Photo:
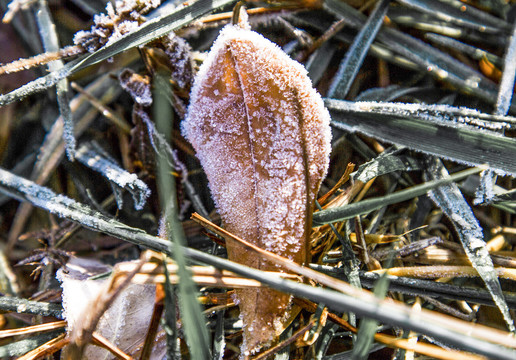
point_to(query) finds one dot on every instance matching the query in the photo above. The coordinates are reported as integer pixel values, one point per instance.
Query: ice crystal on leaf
(180, 59)
(262, 135)
(138, 86)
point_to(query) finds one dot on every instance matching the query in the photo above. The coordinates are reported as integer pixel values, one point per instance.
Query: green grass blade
(194, 323)
(369, 205)
(368, 327)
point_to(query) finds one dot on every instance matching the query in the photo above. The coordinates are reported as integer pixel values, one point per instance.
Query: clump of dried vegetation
(112, 245)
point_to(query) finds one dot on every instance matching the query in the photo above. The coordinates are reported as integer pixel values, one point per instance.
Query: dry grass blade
(32, 329)
(101, 341)
(426, 349)
(435, 272)
(38, 60)
(344, 178)
(152, 273)
(480, 332)
(47, 349)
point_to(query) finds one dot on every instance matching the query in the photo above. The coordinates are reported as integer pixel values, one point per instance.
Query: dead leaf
(262, 135)
(125, 322)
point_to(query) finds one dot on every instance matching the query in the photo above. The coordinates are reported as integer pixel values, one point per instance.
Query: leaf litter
(444, 101)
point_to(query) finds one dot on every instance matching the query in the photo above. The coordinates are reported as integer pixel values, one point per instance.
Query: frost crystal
(439, 114)
(262, 135)
(180, 59)
(138, 86)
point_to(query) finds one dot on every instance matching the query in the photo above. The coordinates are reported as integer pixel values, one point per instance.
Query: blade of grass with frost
(376, 49)
(431, 134)
(21, 347)
(106, 89)
(196, 332)
(484, 193)
(503, 199)
(505, 92)
(440, 65)
(51, 44)
(347, 299)
(385, 164)
(366, 206)
(457, 12)
(147, 32)
(467, 49)
(452, 203)
(410, 18)
(388, 93)
(118, 177)
(355, 55)
(10, 303)
(437, 113)
(317, 64)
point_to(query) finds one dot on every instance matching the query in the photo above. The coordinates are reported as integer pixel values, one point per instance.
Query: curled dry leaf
(262, 135)
(125, 322)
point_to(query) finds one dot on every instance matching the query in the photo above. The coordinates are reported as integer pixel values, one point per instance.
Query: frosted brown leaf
(262, 135)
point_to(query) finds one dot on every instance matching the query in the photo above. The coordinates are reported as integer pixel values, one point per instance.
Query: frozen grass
(425, 94)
